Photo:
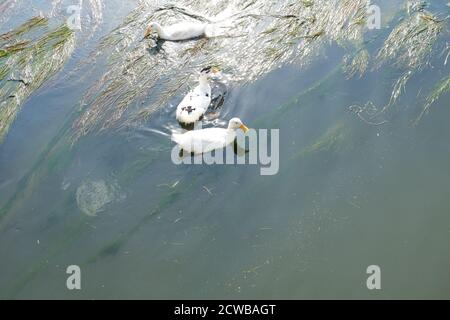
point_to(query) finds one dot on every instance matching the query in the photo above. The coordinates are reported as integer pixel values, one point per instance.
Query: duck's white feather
(183, 31)
(205, 140)
(194, 104)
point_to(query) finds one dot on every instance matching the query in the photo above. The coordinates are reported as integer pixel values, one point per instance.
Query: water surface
(86, 176)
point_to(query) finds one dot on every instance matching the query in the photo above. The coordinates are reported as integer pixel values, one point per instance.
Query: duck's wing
(192, 107)
(206, 140)
(185, 31)
(195, 100)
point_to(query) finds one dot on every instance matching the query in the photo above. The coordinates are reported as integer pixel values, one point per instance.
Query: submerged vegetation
(255, 42)
(411, 45)
(252, 39)
(134, 78)
(440, 89)
(333, 139)
(29, 56)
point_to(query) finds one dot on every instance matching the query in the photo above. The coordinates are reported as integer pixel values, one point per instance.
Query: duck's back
(185, 31)
(193, 106)
(201, 141)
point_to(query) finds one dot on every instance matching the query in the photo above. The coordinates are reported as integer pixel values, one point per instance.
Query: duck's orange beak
(148, 32)
(244, 128)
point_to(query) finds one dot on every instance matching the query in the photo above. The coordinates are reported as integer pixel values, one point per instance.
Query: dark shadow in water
(220, 91)
(157, 46)
(239, 151)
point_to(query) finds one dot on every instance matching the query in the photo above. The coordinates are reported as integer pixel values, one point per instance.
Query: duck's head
(209, 71)
(152, 27)
(236, 123)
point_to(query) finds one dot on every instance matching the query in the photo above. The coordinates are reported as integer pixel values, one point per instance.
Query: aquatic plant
(29, 56)
(259, 38)
(356, 65)
(409, 47)
(440, 89)
(138, 80)
(332, 139)
(91, 13)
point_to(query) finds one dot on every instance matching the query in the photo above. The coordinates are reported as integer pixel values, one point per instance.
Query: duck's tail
(177, 138)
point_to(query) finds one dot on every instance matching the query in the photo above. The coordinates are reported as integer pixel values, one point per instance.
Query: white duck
(178, 32)
(194, 105)
(206, 140)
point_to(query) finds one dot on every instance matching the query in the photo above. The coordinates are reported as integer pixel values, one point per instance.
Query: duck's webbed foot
(238, 150)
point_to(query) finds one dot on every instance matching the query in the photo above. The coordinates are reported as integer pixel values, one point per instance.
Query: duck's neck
(160, 30)
(230, 128)
(203, 80)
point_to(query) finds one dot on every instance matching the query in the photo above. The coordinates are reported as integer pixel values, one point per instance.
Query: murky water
(86, 176)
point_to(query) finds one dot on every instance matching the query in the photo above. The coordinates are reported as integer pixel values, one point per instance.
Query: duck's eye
(206, 70)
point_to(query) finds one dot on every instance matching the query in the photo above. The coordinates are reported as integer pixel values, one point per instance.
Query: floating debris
(93, 196)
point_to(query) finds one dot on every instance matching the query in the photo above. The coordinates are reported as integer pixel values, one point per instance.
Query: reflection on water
(86, 176)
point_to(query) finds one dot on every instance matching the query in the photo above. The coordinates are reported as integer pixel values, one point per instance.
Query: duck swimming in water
(206, 140)
(179, 31)
(194, 105)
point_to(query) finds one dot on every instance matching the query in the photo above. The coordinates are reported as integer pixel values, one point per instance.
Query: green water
(86, 176)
